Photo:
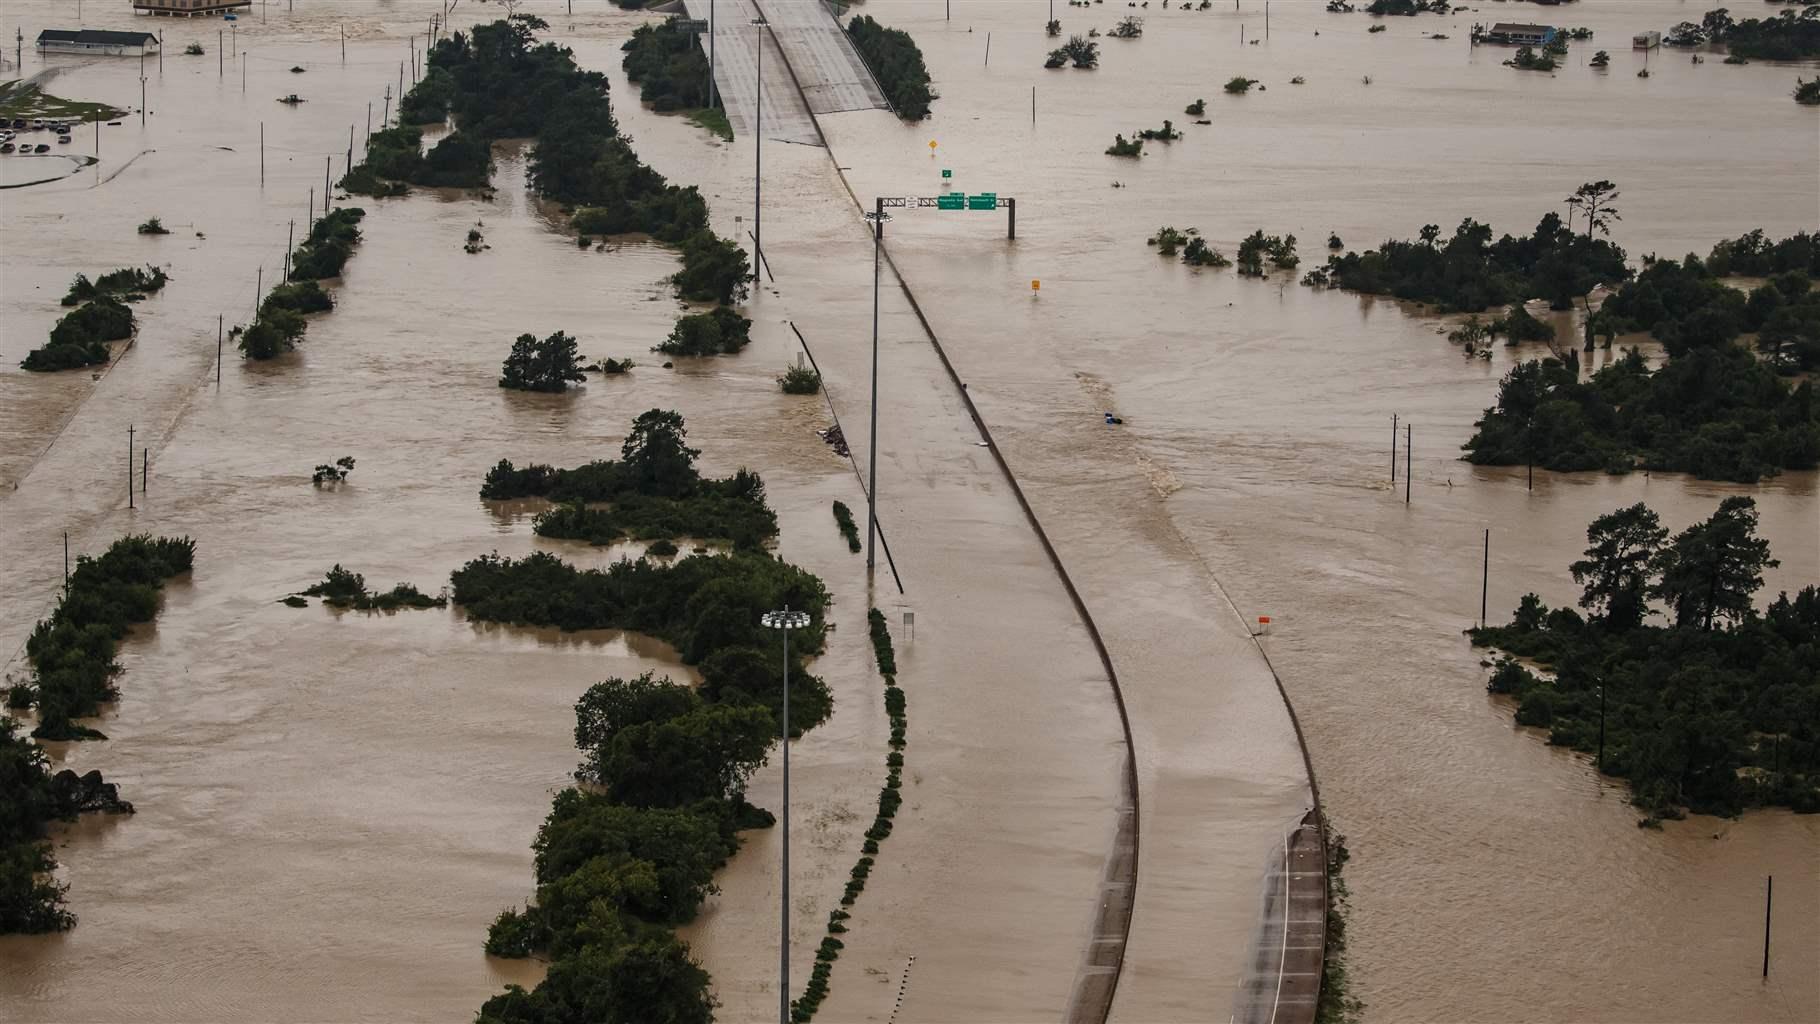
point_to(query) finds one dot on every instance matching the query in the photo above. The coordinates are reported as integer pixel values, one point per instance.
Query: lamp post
(878, 218)
(785, 621)
(758, 147)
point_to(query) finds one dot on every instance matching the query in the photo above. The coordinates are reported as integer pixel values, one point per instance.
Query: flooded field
(333, 807)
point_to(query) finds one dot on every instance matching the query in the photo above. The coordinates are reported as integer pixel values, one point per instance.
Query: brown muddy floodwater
(332, 808)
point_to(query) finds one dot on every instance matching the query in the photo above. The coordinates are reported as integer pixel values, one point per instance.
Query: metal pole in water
(1393, 447)
(220, 322)
(66, 561)
(1408, 460)
(258, 290)
(220, 57)
(145, 467)
(783, 962)
(129, 466)
(326, 161)
(262, 154)
(713, 93)
(1769, 890)
(988, 49)
(289, 234)
(1485, 578)
(369, 135)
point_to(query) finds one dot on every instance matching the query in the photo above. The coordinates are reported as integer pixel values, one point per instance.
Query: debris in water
(836, 440)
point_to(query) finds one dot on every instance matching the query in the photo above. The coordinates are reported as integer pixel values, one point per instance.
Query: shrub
(79, 338)
(129, 283)
(800, 380)
(714, 269)
(843, 517)
(333, 474)
(153, 226)
(720, 331)
(1122, 147)
(1196, 109)
(1240, 85)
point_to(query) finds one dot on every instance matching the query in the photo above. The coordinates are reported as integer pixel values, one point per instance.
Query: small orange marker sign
(1035, 285)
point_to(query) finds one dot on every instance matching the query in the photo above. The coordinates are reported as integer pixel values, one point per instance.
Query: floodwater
(331, 808)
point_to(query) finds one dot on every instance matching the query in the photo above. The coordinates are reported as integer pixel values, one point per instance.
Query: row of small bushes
(73, 666)
(890, 799)
(127, 283)
(343, 588)
(633, 854)
(654, 489)
(395, 158)
(280, 323)
(72, 651)
(897, 63)
(670, 69)
(843, 517)
(80, 337)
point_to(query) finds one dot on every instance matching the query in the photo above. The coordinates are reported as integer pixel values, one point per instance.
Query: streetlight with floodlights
(785, 621)
(878, 217)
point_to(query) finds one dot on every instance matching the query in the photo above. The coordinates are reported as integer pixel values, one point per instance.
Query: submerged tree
(1616, 570)
(548, 365)
(1712, 569)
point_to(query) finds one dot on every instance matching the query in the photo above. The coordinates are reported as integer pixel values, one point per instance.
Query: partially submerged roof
(99, 37)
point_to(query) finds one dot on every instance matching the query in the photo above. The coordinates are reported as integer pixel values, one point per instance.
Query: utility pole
(1408, 460)
(262, 154)
(326, 170)
(1485, 578)
(351, 141)
(129, 466)
(368, 147)
(713, 90)
(344, 43)
(289, 234)
(1769, 890)
(142, 90)
(220, 56)
(66, 562)
(220, 322)
(385, 118)
(145, 467)
(1393, 447)
(258, 291)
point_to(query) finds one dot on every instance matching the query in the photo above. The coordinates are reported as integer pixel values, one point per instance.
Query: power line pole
(220, 322)
(129, 466)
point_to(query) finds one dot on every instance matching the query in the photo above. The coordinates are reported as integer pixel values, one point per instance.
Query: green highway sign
(951, 201)
(946, 173)
(983, 201)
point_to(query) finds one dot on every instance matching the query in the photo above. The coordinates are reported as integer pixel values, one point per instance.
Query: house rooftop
(97, 36)
(1514, 28)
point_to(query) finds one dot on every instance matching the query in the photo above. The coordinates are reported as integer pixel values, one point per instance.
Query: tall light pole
(785, 621)
(878, 219)
(758, 148)
(712, 96)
